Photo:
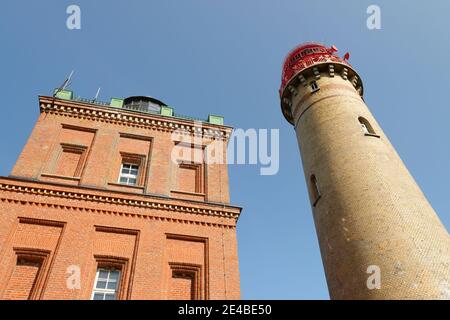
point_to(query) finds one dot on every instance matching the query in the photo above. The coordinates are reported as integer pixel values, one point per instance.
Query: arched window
(314, 190)
(366, 127)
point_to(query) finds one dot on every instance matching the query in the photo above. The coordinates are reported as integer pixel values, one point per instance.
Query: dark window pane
(109, 296)
(123, 180)
(101, 284)
(114, 275)
(98, 296)
(112, 285)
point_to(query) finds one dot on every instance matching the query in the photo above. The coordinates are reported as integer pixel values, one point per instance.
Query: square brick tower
(99, 206)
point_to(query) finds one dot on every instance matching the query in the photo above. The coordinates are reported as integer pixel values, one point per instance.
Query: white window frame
(128, 176)
(106, 290)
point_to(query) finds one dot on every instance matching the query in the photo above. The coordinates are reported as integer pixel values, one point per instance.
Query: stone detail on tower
(367, 208)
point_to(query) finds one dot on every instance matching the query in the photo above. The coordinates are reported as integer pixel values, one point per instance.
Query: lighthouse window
(314, 86)
(364, 128)
(314, 190)
(367, 127)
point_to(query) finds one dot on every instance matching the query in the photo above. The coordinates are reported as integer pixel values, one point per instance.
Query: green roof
(165, 111)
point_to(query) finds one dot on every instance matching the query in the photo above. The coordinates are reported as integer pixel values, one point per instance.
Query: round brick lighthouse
(379, 236)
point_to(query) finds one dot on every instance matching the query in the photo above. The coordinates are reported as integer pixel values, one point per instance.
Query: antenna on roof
(96, 95)
(65, 84)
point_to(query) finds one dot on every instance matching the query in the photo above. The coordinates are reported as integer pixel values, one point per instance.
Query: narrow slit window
(314, 190)
(314, 86)
(106, 284)
(366, 127)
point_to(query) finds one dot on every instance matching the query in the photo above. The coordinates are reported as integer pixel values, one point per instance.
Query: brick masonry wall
(39, 156)
(88, 221)
(141, 239)
(181, 289)
(371, 211)
(21, 282)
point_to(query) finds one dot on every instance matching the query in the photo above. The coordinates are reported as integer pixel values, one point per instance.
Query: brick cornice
(136, 119)
(119, 213)
(110, 197)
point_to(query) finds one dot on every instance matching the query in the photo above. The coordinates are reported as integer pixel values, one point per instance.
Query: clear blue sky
(224, 57)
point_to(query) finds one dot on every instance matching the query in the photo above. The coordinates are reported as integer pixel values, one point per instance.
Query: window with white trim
(129, 174)
(106, 284)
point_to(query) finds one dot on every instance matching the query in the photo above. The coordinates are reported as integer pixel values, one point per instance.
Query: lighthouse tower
(379, 236)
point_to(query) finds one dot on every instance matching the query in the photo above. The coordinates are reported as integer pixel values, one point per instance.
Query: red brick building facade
(96, 207)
